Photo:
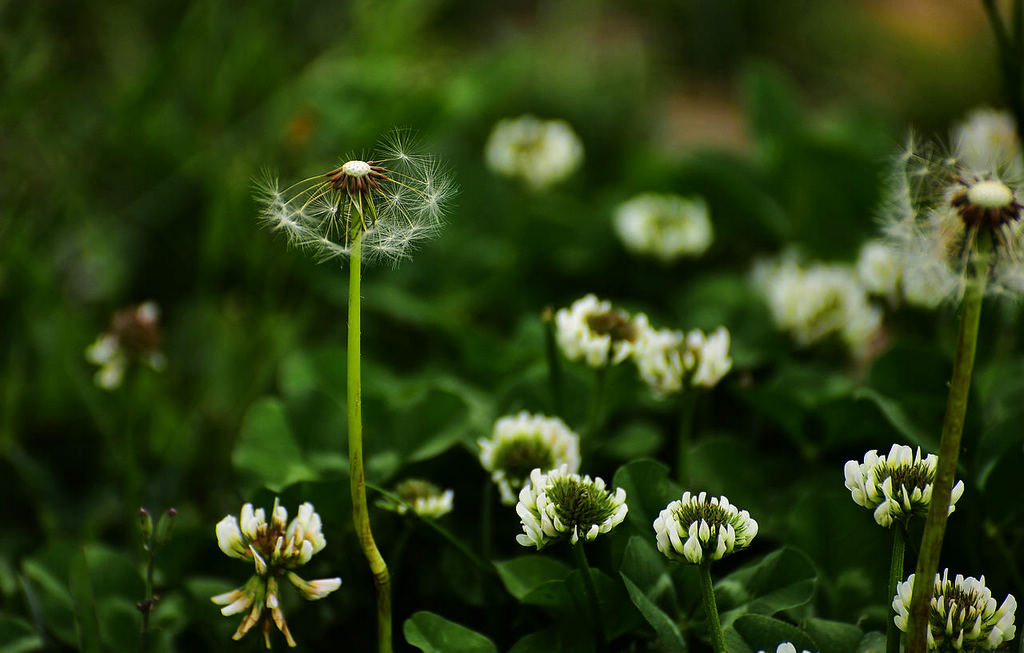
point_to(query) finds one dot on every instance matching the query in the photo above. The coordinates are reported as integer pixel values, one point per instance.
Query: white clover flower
(697, 528)
(540, 152)
(963, 615)
(133, 336)
(666, 227)
(592, 330)
(879, 270)
(669, 360)
(786, 647)
(422, 497)
(711, 354)
(560, 504)
(987, 139)
(952, 218)
(392, 199)
(817, 302)
(896, 486)
(275, 548)
(520, 443)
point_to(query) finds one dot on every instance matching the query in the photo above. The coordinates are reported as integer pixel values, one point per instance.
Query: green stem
(554, 362)
(596, 402)
(357, 477)
(591, 590)
(486, 518)
(949, 452)
(687, 408)
(147, 603)
(899, 547)
(707, 591)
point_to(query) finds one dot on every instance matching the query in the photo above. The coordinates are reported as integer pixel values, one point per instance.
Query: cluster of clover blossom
(668, 360)
(664, 226)
(274, 549)
(421, 497)
(897, 487)
(539, 152)
(133, 337)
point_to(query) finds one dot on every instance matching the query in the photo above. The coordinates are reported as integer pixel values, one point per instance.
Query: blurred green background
(132, 131)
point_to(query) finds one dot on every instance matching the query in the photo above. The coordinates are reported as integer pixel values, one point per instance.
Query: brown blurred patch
(943, 25)
(703, 116)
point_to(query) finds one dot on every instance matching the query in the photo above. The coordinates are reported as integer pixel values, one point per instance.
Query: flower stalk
(707, 592)
(592, 600)
(357, 475)
(949, 452)
(899, 547)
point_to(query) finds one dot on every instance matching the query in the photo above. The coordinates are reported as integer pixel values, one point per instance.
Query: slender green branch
(707, 591)
(949, 452)
(899, 547)
(597, 395)
(592, 600)
(554, 362)
(486, 518)
(360, 513)
(687, 408)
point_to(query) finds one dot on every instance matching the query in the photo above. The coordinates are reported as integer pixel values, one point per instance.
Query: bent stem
(597, 396)
(554, 364)
(949, 452)
(899, 547)
(591, 590)
(357, 477)
(707, 592)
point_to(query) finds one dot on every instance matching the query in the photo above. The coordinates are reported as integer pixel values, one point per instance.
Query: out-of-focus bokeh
(131, 136)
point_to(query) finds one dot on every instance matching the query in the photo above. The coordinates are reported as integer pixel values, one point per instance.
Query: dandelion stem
(687, 408)
(596, 402)
(899, 547)
(554, 364)
(591, 590)
(360, 513)
(949, 452)
(707, 590)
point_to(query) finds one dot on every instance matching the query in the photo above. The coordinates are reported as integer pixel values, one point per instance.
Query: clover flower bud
(560, 504)
(962, 615)
(896, 486)
(540, 152)
(667, 227)
(275, 548)
(711, 354)
(519, 443)
(133, 336)
(592, 330)
(785, 647)
(421, 497)
(700, 529)
(390, 200)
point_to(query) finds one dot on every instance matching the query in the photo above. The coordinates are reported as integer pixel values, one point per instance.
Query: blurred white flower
(670, 360)
(953, 218)
(786, 647)
(963, 614)
(986, 140)
(697, 528)
(666, 227)
(393, 198)
(879, 270)
(815, 302)
(275, 548)
(560, 504)
(896, 486)
(422, 497)
(540, 152)
(592, 330)
(133, 336)
(522, 442)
